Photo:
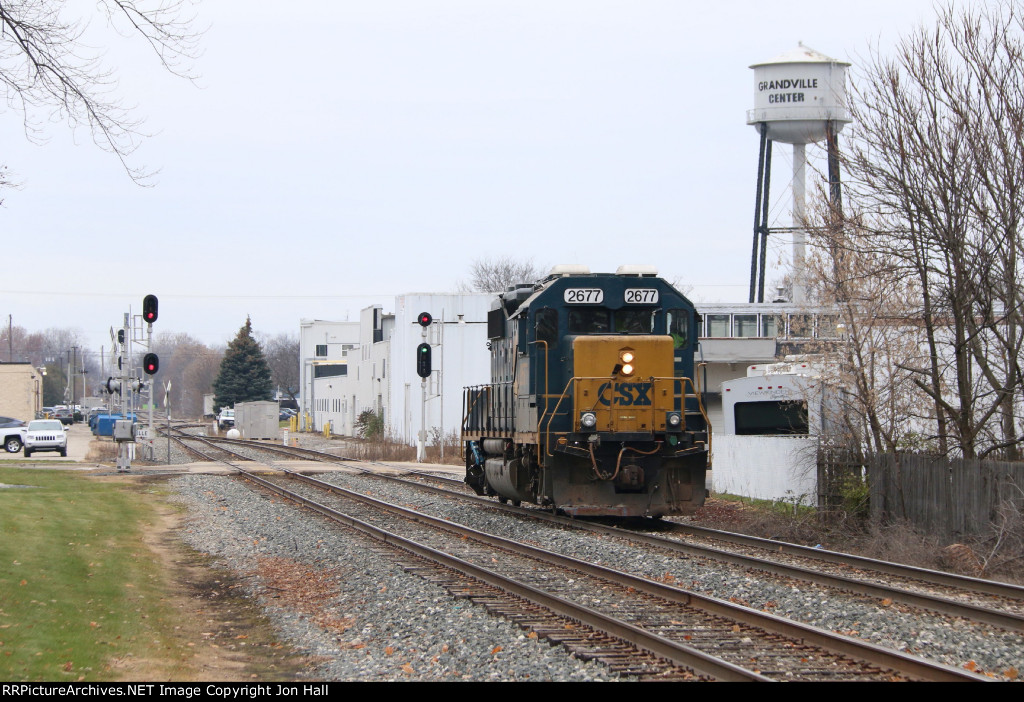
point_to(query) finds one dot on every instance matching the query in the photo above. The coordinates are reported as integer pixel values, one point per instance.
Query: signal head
(150, 363)
(425, 319)
(423, 365)
(149, 308)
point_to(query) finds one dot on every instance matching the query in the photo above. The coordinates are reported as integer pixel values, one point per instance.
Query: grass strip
(80, 593)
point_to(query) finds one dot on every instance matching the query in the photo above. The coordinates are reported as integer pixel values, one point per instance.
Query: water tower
(799, 99)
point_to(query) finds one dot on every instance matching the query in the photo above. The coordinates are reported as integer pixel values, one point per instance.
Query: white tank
(797, 93)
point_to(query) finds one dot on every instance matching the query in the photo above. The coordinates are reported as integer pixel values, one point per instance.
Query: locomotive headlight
(673, 421)
(625, 365)
(588, 420)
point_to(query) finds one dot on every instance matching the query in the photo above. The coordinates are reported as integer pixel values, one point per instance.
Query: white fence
(766, 467)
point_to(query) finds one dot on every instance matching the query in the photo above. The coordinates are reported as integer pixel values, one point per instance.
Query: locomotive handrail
(546, 399)
(492, 396)
(470, 401)
(547, 433)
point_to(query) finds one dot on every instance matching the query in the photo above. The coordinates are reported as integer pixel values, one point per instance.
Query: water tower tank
(797, 93)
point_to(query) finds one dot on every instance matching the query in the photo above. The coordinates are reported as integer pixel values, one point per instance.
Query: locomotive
(593, 408)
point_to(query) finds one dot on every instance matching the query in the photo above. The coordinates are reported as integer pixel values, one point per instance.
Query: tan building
(21, 390)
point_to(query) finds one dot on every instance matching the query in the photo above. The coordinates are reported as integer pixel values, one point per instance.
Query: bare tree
(879, 408)
(497, 274)
(282, 354)
(190, 366)
(49, 69)
(934, 174)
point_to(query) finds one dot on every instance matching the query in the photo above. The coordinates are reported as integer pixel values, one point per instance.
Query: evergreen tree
(244, 374)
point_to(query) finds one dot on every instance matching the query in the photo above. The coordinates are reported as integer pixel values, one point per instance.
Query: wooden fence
(947, 497)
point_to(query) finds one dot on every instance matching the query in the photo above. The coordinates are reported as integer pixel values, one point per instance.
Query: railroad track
(622, 611)
(656, 542)
(990, 602)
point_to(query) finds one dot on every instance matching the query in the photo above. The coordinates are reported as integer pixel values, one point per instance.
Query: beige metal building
(21, 390)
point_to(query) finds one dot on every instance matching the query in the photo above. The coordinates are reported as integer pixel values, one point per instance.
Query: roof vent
(564, 269)
(638, 269)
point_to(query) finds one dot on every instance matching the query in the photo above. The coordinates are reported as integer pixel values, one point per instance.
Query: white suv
(226, 420)
(46, 435)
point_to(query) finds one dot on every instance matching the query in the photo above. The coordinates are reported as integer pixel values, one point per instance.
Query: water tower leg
(757, 211)
(799, 219)
(764, 219)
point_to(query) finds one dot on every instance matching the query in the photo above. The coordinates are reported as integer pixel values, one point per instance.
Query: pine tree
(244, 374)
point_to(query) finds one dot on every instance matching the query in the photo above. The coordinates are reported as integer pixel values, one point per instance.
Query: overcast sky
(337, 153)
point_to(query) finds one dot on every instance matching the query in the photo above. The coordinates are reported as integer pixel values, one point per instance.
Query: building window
(744, 325)
(771, 417)
(771, 326)
(828, 326)
(718, 325)
(801, 326)
(329, 370)
(321, 350)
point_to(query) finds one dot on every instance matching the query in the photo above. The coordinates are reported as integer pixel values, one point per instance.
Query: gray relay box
(124, 430)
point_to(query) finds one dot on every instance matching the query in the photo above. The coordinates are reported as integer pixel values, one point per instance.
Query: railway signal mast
(126, 431)
(423, 370)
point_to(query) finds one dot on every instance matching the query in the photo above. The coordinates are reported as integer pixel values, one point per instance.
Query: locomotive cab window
(678, 323)
(547, 326)
(634, 321)
(589, 320)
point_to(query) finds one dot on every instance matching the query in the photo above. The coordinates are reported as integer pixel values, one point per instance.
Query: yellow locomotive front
(624, 384)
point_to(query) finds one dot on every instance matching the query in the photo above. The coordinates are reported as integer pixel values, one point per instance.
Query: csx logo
(625, 394)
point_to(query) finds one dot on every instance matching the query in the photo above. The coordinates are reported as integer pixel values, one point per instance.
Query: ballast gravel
(947, 640)
(397, 625)
(408, 629)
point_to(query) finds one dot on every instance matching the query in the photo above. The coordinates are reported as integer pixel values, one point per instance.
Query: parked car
(13, 432)
(226, 418)
(46, 435)
(66, 415)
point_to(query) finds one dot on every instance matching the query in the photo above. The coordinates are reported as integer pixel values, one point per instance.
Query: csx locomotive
(592, 408)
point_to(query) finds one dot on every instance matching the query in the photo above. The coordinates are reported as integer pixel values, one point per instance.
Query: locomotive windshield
(589, 320)
(635, 321)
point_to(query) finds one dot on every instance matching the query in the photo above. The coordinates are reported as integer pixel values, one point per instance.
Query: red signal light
(425, 319)
(149, 308)
(150, 363)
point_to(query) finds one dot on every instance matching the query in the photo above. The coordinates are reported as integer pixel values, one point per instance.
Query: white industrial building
(350, 367)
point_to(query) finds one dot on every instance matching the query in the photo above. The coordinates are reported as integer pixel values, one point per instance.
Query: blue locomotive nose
(591, 407)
